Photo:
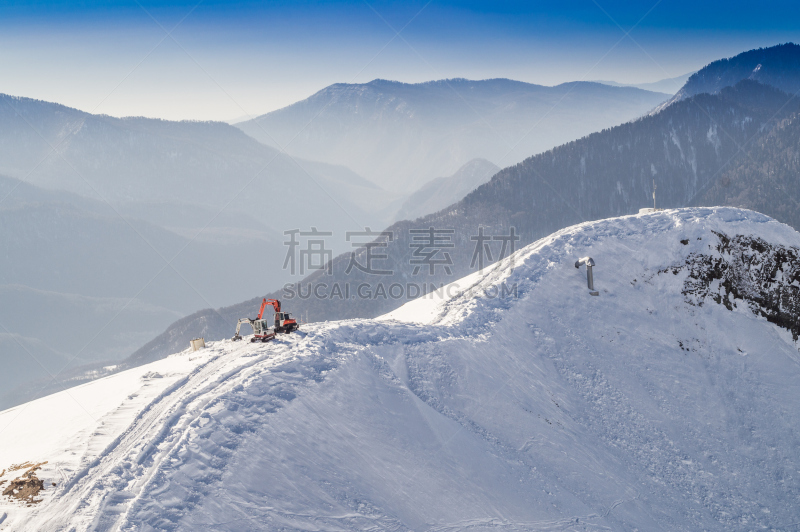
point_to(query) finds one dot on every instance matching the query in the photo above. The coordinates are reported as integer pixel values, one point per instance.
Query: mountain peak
(777, 66)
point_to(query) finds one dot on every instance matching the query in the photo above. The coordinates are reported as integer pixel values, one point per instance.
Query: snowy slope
(669, 402)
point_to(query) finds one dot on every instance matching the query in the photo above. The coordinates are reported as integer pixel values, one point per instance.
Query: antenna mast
(654, 194)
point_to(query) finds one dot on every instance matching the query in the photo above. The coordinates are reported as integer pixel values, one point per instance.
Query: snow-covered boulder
(510, 399)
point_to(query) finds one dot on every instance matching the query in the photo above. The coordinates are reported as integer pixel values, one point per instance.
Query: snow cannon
(589, 262)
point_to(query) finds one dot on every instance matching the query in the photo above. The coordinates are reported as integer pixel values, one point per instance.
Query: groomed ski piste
(664, 403)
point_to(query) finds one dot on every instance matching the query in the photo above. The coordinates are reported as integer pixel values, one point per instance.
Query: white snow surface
(551, 410)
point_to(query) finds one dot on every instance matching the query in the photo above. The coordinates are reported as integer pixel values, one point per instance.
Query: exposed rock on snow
(27, 486)
(766, 277)
(541, 409)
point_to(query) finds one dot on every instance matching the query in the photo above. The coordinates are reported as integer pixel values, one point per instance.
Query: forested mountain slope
(777, 66)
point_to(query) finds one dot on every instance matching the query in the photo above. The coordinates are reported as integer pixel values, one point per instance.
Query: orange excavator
(283, 320)
(261, 327)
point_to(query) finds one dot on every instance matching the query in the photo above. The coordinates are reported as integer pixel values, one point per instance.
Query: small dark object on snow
(26, 487)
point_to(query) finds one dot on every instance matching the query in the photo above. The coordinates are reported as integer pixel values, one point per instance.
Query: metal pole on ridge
(589, 262)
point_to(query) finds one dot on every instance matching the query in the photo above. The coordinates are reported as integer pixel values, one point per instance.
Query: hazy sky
(222, 60)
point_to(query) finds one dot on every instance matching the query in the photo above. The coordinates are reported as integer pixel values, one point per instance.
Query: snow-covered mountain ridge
(668, 402)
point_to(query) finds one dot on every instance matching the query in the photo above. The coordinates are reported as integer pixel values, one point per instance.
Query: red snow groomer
(261, 327)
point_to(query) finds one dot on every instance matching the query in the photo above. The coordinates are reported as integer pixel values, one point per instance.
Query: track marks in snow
(566, 524)
(103, 490)
(209, 439)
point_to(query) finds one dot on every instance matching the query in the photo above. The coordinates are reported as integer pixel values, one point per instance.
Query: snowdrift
(511, 399)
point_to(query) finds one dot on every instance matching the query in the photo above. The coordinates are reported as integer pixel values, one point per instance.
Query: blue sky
(222, 60)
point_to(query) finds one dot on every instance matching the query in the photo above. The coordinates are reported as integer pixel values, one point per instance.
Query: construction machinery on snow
(262, 330)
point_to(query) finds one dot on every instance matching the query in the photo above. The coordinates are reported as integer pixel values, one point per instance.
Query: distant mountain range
(134, 161)
(706, 149)
(400, 135)
(668, 85)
